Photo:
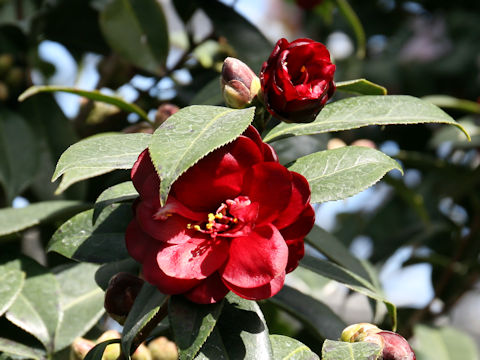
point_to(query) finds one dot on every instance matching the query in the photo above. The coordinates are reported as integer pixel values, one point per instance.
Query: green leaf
(213, 348)
(361, 87)
(96, 353)
(89, 94)
(190, 134)
(18, 154)
(138, 31)
(210, 94)
(243, 329)
(335, 251)
(445, 343)
(336, 350)
(349, 279)
(99, 155)
(450, 102)
(103, 242)
(17, 219)
(313, 313)
(250, 45)
(356, 112)
(145, 308)
(191, 324)
(37, 309)
(79, 295)
(11, 283)
(339, 173)
(286, 348)
(14, 348)
(115, 194)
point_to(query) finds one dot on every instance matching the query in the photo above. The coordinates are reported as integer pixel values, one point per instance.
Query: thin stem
(357, 26)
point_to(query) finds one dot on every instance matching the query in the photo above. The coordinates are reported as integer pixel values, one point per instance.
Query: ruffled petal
(270, 185)
(142, 171)
(256, 259)
(166, 284)
(261, 292)
(298, 201)
(296, 251)
(209, 291)
(302, 225)
(138, 243)
(196, 259)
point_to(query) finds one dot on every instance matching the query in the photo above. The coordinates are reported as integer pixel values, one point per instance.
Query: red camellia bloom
(297, 80)
(234, 221)
(308, 4)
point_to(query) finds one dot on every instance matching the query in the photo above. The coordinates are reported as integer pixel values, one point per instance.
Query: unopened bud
(335, 143)
(352, 332)
(239, 83)
(164, 111)
(142, 353)
(396, 347)
(80, 348)
(112, 351)
(163, 349)
(365, 143)
(120, 295)
(6, 62)
(15, 77)
(3, 91)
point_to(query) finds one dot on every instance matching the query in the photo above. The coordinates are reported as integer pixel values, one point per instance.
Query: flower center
(232, 218)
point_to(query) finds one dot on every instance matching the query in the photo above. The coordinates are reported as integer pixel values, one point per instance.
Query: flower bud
(365, 143)
(142, 353)
(396, 347)
(80, 348)
(164, 111)
(4, 93)
(6, 62)
(112, 351)
(239, 83)
(120, 295)
(163, 349)
(352, 332)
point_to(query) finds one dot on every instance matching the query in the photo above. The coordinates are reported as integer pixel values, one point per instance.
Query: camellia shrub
(193, 242)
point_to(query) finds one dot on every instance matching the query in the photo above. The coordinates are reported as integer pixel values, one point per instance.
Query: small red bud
(164, 111)
(396, 347)
(122, 290)
(239, 83)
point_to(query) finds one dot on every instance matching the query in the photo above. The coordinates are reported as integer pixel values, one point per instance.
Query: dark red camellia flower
(308, 4)
(297, 80)
(234, 221)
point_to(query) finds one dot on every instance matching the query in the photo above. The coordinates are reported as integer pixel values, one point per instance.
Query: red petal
(166, 284)
(195, 259)
(270, 185)
(209, 291)
(261, 292)
(138, 243)
(142, 171)
(299, 199)
(173, 230)
(296, 251)
(302, 225)
(255, 260)
(217, 177)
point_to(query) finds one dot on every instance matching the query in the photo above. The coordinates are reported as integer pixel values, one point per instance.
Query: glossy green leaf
(286, 348)
(89, 94)
(336, 350)
(189, 135)
(17, 219)
(243, 329)
(138, 31)
(11, 283)
(450, 102)
(98, 155)
(146, 306)
(19, 350)
(213, 348)
(81, 303)
(18, 154)
(37, 309)
(97, 351)
(444, 343)
(360, 87)
(356, 112)
(103, 242)
(335, 251)
(349, 279)
(313, 313)
(191, 324)
(115, 194)
(250, 45)
(339, 173)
